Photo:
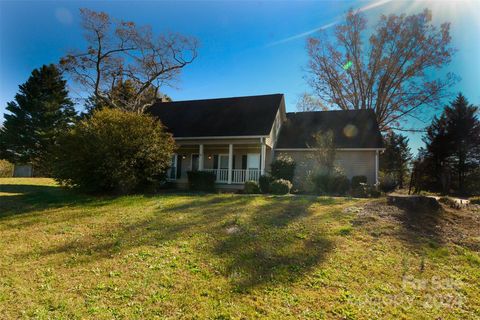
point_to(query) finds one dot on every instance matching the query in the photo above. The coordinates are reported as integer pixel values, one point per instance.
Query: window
(223, 161)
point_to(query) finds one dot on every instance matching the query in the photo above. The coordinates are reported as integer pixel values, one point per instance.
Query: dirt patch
(448, 225)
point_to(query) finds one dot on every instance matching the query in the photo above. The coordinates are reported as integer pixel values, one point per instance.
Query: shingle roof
(351, 129)
(238, 116)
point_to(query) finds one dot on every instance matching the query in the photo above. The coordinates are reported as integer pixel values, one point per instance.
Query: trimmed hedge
(201, 181)
(283, 168)
(280, 186)
(264, 183)
(251, 187)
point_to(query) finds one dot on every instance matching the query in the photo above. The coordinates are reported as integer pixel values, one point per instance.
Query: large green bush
(113, 151)
(331, 184)
(280, 186)
(251, 187)
(283, 168)
(201, 181)
(264, 183)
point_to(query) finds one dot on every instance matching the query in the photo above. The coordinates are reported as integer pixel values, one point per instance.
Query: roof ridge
(324, 111)
(224, 98)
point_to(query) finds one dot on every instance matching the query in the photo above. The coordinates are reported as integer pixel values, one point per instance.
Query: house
(237, 138)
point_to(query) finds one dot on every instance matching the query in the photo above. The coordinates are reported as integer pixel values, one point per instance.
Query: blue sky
(246, 48)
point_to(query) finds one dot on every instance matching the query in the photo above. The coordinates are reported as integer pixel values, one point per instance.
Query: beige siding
(352, 163)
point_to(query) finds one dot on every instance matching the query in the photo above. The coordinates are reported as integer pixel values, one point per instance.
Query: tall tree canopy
(396, 157)
(453, 145)
(40, 112)
(118, 51)
(389, 73)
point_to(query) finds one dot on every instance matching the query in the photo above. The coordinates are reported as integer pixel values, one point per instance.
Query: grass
(222, 256)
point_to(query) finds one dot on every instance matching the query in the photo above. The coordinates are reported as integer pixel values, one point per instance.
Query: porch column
(230, 162)
(263, 154)
(376, 166)
(200, 158)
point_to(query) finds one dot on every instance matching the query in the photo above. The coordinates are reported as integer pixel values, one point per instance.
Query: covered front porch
(232, 163)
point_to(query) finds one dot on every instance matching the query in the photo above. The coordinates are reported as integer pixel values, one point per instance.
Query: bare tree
(307, 102)
(391, 73)
(120, 50)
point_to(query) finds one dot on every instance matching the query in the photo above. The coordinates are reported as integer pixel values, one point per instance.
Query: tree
(113, 151)
(41, 111)
(395, 159)
(307, 102)
(453, 145)
(463, 133)
(324, 151)
(118, 51)
(389, 73)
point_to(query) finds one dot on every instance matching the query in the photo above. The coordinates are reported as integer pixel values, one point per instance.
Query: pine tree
(40, 112)
(396, 157)
(463, 130)
(453, 145)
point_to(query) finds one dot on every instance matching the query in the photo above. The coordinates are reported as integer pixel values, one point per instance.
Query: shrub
(264, 183)
(113, 151)
(283, 168)
(365, 191)
(201, 180)
(251, 187)
(358, 180)
(387, 183)
(6, 168)
(280, 186)
(336, 184)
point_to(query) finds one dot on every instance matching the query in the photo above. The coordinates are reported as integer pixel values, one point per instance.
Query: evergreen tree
(396, 157)
(453, 146)
(463, 132)
(40, 112)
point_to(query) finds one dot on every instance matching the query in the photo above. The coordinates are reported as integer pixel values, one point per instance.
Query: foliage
(324, 152)
(280, 186)
(6, 168)
(396, 157)
(251, 187)
(264, 183)
(41, 111)
(390, 73)
(149, 257)
(364, 190)
(452, 151)
(358, 180)
(113, 151)
(119, 54)
(307, 102)
(387, 183)
(330, 184)
(201, 181)
(283, 168)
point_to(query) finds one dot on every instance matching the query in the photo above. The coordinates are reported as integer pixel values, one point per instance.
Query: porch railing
(238, 175)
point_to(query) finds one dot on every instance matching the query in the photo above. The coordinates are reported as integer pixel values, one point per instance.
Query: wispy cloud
(367, 7)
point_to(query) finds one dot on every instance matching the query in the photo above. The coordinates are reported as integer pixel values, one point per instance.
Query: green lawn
(223, 256)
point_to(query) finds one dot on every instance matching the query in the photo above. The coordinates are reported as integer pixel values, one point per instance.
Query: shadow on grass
(258, 240)
(412, 225)
(23, 198)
